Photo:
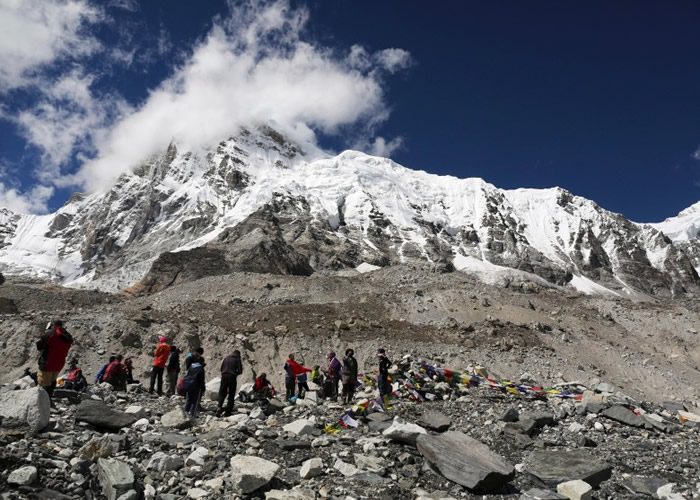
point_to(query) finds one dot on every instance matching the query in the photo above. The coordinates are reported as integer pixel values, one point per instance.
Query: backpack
(189, 381)
(181, 387)
(189, 384)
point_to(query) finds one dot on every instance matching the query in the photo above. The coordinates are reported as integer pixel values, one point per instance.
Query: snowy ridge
(683, 227)
(343, 212)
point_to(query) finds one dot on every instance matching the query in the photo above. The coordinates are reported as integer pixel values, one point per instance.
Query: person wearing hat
(349, 376)
(53, 345)
(161, 359)
(383, 379)
(334, 372)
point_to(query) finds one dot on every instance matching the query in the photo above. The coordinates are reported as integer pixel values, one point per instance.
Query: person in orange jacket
(161, 359)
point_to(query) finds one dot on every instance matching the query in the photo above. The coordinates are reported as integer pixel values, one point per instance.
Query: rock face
(28, 409)
(332, 213)
(554, 467)
(102, 416)
(250, 473)
(466, 461)
(116, 478)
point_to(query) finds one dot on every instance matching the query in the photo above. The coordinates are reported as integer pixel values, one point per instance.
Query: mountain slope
(258, 203)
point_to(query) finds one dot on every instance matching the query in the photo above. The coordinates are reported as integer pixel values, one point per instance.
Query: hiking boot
(219, 412)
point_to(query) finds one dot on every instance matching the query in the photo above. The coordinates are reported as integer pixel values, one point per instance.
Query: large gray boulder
(623, 415)
(115, 476)
(554, 467)
(403, 432)
(28, 409)
(466, 461)
(103, 417)
(435, 421)
(250, 473)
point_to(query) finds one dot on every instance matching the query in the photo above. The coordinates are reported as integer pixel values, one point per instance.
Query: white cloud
(696, 155)
(130, 5)
(252, 67)
(380, 146)
(33, 202)
(394, 59)
(67, 119)
(34, 33)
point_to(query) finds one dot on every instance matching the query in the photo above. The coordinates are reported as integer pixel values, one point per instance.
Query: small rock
(311, 468)
(346, 469)
(575, 490)
(197, 457)
(250, 473)
(301, 427)
(176, 419)
(24, 476)
(115, 477)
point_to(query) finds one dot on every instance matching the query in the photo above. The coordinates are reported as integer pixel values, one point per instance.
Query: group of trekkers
(55, 343)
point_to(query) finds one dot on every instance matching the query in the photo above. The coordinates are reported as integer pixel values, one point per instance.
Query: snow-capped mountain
(258, 202)
(683, 227)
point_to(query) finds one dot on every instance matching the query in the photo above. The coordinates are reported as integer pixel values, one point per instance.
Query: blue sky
(601, 98)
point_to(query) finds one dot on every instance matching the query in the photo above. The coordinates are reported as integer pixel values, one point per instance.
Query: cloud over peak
(254, 65)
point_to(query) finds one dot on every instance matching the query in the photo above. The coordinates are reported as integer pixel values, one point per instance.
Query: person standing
(196, 355)
(173, 369)
(161, 359)
(193, 384)
(53, 346)
(302, 385)
(231, 368)
(334, 369)
(291, 370)
(383, 379)
(349, 376)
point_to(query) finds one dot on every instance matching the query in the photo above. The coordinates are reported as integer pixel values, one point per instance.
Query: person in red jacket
(162, 353)
(291, 370)
(54, 345)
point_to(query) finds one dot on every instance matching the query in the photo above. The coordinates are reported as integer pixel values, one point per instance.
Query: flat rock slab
(379, 417)
(435, 421)
(554, 467)
(466, 461)
(403, 432)
(624, 416)
(170, 439)
(100, 415)
(641, 485)
(291, 445)
(540, 494)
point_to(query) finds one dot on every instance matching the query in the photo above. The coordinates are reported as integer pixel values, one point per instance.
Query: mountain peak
(260, 193)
